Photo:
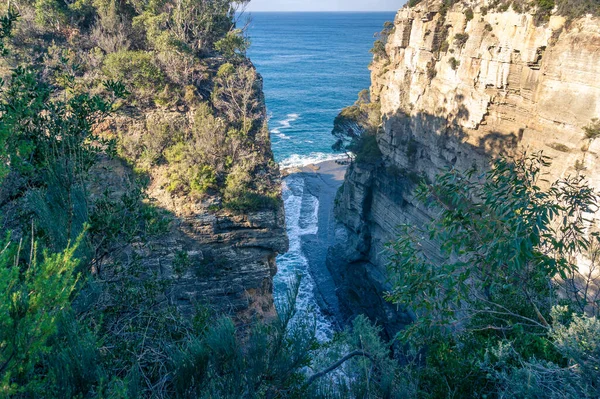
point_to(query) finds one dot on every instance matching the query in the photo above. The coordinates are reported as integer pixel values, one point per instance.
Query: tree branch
(337, 364)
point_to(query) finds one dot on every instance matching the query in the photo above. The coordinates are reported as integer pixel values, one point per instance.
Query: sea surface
(313, 65)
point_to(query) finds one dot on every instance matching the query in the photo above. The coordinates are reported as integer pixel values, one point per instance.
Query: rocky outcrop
(455, 91)
(208, 256)
(225, 262)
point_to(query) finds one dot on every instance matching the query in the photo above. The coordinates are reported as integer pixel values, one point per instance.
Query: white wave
(285, 124)
(298, 161)
(301, 211)
(283, 136)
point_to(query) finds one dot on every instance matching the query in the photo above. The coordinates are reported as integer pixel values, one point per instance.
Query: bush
(592, 131)
(486, 308)
(35, 295)
(460, 39)
(236, 96)
(187, 174)
(454, 63)
(249, 201)
(469, 14)
(233, 45)
(444, 46)
(379, 49)
(137, 69)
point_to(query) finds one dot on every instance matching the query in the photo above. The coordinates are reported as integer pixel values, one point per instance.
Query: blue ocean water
(313, 65)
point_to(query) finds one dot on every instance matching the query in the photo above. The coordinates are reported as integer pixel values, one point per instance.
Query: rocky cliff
(182, 192)
(458, 85)
(207, 255)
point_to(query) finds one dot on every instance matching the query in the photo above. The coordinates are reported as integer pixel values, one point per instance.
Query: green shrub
(576, 8)
(460, 39)
(226, 70)
(454, 63)
(592, 131)
(136, 69)
(35, 295)
(248, 201)
(233, 45)
(486, 318)
(379, 49)
(444, 46)
(187, 174)
(469, 14)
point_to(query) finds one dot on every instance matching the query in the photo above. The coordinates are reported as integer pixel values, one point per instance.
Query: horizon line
(320, 11)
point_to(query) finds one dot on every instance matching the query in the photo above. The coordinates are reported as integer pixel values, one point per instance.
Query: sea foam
(298, 161)
(301, 211)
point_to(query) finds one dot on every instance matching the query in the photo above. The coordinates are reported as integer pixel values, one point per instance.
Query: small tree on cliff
(507, 257)
(355, 129)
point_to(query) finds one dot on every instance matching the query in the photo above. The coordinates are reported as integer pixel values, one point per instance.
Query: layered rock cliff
(456, 86)
(207, 255)
(183, 186)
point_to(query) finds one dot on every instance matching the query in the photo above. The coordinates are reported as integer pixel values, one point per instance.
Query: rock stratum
(457, 86)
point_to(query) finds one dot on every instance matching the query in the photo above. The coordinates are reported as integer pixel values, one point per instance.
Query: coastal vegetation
(100, 100)
(542, 9)
(508, 310)
(355, 129)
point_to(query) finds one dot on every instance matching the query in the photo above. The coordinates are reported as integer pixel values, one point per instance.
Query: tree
(35, 294)
(236, 96)
(507, 257)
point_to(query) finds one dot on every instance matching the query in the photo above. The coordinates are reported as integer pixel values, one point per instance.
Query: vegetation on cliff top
(355, 129)
(542, 9)
(184, 65)
(77, 318)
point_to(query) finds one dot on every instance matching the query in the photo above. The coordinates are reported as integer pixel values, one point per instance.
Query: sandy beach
(322, 180)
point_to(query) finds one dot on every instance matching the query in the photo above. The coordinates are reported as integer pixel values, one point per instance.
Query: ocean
(313, 65)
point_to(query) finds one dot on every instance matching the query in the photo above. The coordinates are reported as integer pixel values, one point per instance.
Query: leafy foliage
(356, 127)
(543, 9)
(137, 69)
(378, 49)
(592, 131)
(35, 295)
(506, 248)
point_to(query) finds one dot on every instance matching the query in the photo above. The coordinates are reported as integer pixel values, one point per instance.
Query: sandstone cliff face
(453, 93)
